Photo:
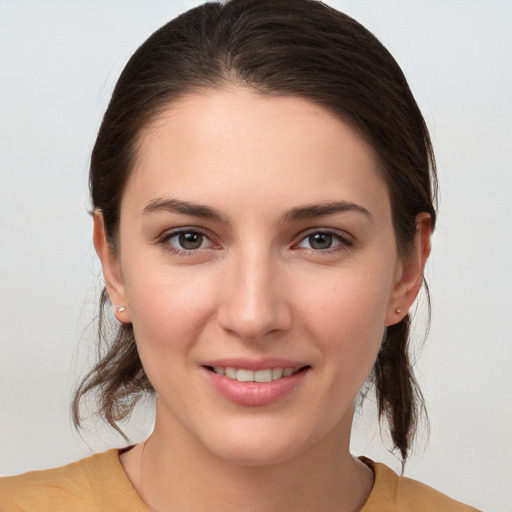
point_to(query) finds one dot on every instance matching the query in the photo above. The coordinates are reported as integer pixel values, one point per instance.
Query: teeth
(243, 375)
(230, 373)
(277, 373)
(263, 376)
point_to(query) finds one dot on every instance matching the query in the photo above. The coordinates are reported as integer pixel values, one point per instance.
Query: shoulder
(392, 493)
(413, 493)
(86, 485)
(68, 486)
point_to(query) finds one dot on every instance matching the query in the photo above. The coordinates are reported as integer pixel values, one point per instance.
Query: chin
(262, 446)
(256, 455)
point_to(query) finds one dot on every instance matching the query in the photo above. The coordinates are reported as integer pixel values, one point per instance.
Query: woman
(263, 187)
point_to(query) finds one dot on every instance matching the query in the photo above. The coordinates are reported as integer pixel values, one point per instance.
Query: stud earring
(120, 309)
(398, 311)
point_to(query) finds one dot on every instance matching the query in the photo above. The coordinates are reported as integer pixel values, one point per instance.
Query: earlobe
(410, 275)
(111, 269)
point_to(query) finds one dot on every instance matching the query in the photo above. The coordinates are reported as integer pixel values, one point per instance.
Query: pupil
(190, 240)
(320, 241)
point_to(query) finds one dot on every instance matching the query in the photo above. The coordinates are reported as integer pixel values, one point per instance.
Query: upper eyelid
(331, 231)
(166, 236)
(342, 234)
(345, 241)
(169, 233)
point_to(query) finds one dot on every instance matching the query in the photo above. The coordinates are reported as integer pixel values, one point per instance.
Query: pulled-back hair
(286, 47)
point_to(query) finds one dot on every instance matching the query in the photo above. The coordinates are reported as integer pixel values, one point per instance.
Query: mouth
(263, 375)
(255, 383)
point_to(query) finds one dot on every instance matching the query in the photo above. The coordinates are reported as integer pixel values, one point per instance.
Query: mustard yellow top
(99, 484)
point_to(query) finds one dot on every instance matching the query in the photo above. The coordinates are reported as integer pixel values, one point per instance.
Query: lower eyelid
(174, 234)
(343, 240)
(175, 249)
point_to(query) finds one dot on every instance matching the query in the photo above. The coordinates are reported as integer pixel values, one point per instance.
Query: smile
(260, 385)
(244, 375)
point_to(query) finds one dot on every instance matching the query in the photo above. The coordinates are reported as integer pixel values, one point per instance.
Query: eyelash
(344, 241)
(164, 241)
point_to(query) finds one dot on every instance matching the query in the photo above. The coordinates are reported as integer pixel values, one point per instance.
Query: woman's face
(256, 241)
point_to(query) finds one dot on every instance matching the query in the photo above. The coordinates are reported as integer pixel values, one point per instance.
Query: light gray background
(58, 63)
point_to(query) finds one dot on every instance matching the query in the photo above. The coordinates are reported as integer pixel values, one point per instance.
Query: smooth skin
(256, 226)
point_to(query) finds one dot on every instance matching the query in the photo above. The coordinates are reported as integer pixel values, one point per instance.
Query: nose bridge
(255, 301)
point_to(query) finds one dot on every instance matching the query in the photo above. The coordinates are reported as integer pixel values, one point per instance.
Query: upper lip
(255, 364)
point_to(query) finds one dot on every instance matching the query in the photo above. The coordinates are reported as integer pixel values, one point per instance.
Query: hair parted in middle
(274, 47)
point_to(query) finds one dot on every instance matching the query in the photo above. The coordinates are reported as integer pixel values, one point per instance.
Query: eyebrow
(183, 207)
(319, 210)
(295, 214)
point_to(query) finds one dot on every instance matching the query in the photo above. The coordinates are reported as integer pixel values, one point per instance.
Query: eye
(189, 241)
(186, 241)
(323, 241)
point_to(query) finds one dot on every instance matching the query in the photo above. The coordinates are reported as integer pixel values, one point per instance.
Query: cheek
(168, 309)
(355, 301)
(347, 318)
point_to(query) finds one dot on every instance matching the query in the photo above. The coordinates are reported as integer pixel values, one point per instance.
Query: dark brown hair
(288, 47)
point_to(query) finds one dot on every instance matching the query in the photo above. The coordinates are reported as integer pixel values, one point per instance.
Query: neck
(172, 472)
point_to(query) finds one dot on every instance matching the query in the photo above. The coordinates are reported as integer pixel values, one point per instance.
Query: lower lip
(254, 393)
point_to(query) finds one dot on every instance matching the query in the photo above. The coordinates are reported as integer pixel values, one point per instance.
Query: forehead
(215, 144)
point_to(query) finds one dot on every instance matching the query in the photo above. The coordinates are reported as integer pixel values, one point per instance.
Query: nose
(255, 303)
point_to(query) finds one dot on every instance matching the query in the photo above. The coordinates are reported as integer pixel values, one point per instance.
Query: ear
(111, 269)
(409, 276)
